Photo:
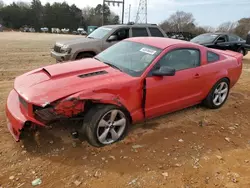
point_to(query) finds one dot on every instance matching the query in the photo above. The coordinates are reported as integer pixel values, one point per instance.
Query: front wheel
(105, 125)
(218, 94)
(84, 55)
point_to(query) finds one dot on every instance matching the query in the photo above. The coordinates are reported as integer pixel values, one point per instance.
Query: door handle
(197, 75)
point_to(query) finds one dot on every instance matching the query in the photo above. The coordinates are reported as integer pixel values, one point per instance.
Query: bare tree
(243, 27)
(182, 21)
(179, 22)
(228, 27)
(209, 29)
(166, 26)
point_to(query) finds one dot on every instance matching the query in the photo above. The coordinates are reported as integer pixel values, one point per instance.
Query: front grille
(57, 48)
(23, 102)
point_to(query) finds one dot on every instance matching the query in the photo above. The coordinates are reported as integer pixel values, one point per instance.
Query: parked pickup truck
(101, 39)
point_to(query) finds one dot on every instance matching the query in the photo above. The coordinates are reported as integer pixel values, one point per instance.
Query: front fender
(105, 98)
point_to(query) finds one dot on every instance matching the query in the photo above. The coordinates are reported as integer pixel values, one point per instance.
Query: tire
(242, 51)
(84, 55)
(95, 133)
(211, 101)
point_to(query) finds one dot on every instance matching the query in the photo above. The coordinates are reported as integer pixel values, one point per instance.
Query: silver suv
(100, 39)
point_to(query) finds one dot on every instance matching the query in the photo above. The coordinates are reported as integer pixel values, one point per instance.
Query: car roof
(130, 25)
(215, 33)
(160, 42)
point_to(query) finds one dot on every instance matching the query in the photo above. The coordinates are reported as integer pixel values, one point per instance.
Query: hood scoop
(92, 74)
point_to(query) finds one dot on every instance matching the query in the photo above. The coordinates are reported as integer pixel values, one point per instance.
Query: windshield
(204, 38)
(99, 33)
(129, 57)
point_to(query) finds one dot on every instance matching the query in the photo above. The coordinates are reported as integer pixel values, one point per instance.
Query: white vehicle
(44, 29)
(65, 30)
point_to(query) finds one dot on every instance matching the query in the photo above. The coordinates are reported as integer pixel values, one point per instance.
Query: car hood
(81, 40)
(50, 83)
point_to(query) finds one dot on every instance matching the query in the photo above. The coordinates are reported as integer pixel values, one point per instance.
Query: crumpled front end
(19, 113)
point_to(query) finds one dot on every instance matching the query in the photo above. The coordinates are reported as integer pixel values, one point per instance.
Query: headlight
(65, 49)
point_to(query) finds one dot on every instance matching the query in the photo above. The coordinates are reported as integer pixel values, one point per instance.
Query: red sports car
(134, 80)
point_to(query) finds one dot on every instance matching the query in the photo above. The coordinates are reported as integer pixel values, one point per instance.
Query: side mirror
(164, 71)
(112, 38)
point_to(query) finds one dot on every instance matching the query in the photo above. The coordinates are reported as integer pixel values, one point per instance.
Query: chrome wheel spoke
(120, 122)
(114, 134)
(104, 135)
(221, 86)
(103, 123)
(216, 92)
(113, 115)
(220, 99)
(224, 91)
(215, 99)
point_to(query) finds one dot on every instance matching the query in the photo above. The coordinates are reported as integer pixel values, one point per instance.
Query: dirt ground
(195, 147)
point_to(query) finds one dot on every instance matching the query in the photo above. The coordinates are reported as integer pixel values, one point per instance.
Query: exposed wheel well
(90, 104)
(227, 80)
(86, 52)
(221, 79)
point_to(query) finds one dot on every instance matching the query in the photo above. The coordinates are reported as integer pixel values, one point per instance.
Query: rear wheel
(105, 125)
(242, 51)
(218, 94)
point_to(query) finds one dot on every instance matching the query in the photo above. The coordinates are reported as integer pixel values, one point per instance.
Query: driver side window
(180, 59)
(121, 34)
(221, 39)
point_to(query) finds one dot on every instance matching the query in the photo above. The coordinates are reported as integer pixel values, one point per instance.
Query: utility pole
(113, 2)
(129, 11)
(103, 4)
(122, 11)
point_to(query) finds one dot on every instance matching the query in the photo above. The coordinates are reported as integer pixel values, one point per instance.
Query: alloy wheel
(220, 93)
(111, 126)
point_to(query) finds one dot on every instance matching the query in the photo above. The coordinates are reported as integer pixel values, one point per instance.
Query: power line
(142, 13)
(113, 2)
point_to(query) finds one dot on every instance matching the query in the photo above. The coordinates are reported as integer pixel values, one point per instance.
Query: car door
(222, 43)
(116, 36)
(235, 43)
(170, 93)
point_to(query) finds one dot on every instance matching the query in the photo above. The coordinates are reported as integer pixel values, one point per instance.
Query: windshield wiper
(110, 64)
(90, 37)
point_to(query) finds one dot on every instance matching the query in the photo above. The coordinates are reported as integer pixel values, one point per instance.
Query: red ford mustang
(135, 79)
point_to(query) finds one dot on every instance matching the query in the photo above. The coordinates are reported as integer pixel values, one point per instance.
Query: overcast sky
(206, 12)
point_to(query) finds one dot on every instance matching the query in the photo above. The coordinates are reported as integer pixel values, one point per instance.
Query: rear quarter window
(212, 57)
(139, 32)
(155, 32)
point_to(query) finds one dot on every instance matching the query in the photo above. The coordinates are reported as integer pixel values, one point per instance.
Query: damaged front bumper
(17, 117)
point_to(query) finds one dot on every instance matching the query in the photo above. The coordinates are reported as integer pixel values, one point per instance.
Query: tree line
(62, 15)
(185, 22)
(56, 15)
